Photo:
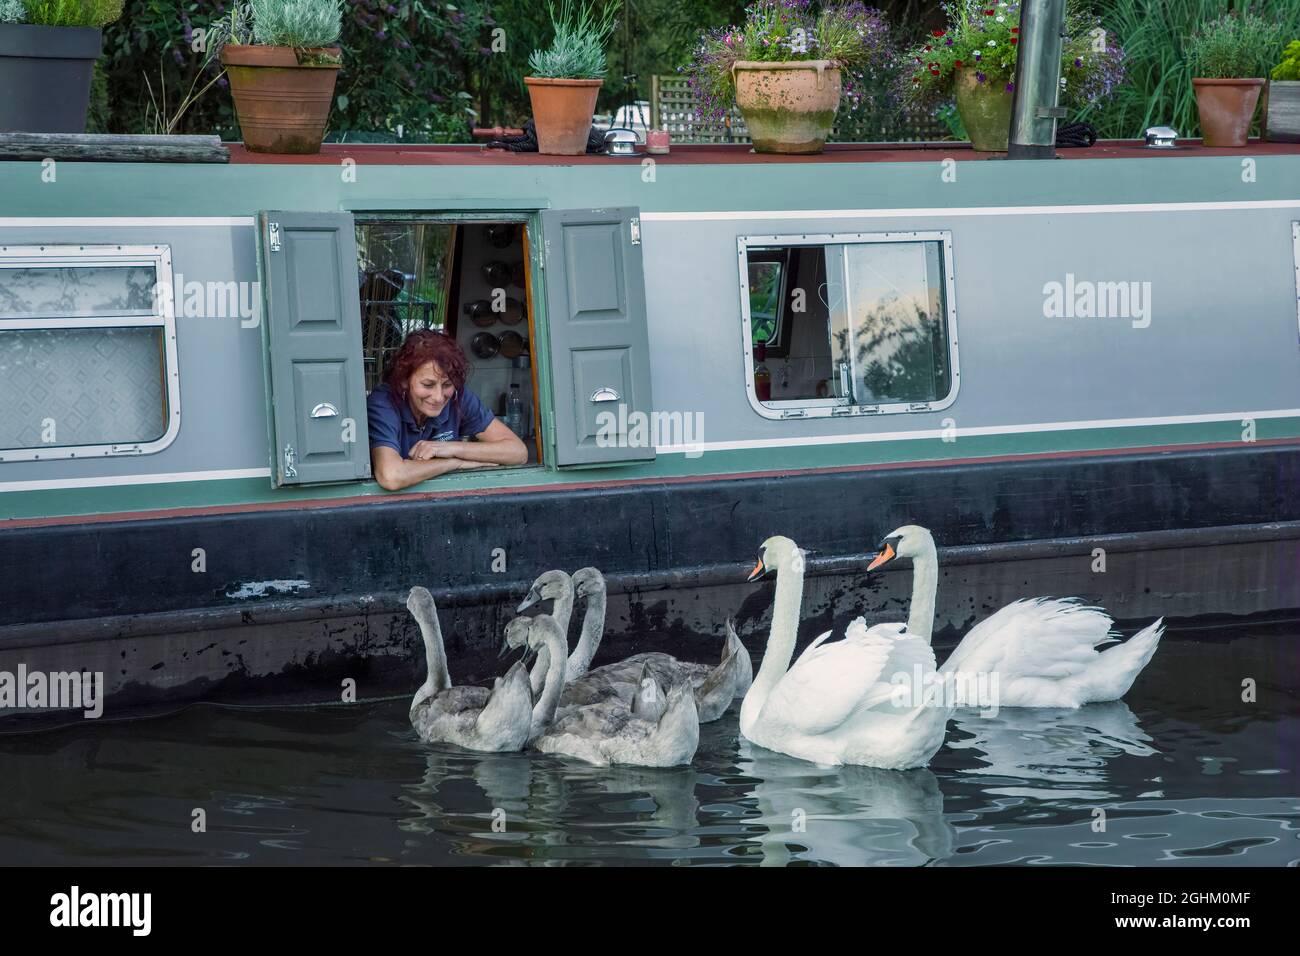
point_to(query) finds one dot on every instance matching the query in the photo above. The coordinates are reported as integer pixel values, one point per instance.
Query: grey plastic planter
(1284, 111)
(45, 77)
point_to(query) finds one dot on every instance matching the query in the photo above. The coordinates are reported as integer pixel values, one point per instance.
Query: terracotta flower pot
(562, 111)
(985, 111)
(282, 95)
(789, 106)
(1226, 108)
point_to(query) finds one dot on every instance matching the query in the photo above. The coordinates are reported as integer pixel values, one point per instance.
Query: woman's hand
(428, 450)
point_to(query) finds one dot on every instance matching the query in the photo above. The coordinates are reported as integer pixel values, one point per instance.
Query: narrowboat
(1083, 375)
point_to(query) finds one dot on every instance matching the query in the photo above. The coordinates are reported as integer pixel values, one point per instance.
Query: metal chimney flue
(1038, 81)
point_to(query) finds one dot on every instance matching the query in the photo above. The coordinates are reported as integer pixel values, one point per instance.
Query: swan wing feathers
(1036, 637)
(831, 681)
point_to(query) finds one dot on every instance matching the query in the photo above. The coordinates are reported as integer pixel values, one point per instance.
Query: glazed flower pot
(45, 77)
(562, 111)
(1283, 110)
(282, 95)
(789, 106)
(985, 110)
(1225, 108)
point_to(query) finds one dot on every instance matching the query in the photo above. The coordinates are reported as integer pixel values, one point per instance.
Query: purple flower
(1011, 87)
(979, 77)
(381, 35)
(1078, 62)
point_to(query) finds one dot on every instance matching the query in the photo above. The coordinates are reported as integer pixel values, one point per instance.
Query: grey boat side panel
(1219, 334)
(1221, 339)
(223, 397)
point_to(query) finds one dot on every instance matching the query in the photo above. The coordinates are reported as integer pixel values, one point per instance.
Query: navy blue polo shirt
(392, 423)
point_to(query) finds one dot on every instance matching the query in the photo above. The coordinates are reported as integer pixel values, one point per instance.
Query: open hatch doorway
(463, 275)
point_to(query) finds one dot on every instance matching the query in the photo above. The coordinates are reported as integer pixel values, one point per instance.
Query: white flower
(991, 43)
(999, 18)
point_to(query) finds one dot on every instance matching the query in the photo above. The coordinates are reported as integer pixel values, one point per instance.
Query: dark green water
(1185, 771)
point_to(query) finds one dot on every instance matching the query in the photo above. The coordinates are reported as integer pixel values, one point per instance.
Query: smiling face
(429, 389)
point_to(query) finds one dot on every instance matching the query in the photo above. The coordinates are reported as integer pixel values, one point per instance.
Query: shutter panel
(600, 351)
(312, 332)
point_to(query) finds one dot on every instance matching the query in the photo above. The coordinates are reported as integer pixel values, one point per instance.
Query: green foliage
(13, 11)
(1289, 68)
(1158, 83)
(578, 50)
(73, 13)
(409, 69)
(1232, 46)
(296, 23)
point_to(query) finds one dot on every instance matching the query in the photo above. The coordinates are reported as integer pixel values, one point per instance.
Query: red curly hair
(421, 347)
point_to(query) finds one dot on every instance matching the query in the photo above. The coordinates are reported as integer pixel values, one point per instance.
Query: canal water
(1182, 772)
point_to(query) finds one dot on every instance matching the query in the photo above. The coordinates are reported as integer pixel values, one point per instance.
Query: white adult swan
(1042, 649)
(714, 687)
(475, 718)
(840, 702)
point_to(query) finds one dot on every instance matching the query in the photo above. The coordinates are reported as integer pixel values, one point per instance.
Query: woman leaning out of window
(424, 422)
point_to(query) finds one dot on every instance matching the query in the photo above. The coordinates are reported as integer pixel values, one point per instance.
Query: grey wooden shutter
(600, 351)
(312, 332)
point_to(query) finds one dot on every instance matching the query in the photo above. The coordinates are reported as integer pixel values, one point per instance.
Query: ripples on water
(1185, 772)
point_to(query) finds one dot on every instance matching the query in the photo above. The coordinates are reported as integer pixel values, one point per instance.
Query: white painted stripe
(795, 441)
(123, 480)
(948, 212)
(126, 221)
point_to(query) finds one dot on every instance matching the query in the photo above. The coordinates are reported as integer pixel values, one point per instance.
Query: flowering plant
(984, 36)
(851, 35)
(1232, 46)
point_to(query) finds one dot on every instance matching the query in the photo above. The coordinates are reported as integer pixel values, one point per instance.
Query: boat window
(87, 351)
(848, 324)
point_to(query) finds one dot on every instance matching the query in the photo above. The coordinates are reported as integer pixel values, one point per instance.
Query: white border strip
(126, 221)
(117, 480)
(963, 211)
(797, 441)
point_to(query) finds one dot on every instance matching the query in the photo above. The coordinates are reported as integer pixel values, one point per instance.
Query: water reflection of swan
(851, 815)
(548, 807)
(1068, 749)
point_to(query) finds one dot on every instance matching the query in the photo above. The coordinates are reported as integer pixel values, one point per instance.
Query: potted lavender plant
(782, 67)
(282, 76)
(48, 50)
(565, 78)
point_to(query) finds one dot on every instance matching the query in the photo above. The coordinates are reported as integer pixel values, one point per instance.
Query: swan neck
(785, 628)
(544, 709)
(437, 676)
(593, 626)
(925, 584)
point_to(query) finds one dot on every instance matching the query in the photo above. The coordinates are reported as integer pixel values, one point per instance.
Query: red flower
(957, 64)
(934, 72)
(928, 48)
(1015, 29)
(1014, 41)
(989, 13)
(936, 33)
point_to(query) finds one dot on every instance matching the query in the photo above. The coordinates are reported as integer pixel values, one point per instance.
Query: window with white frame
(87, 351)
(848, 323)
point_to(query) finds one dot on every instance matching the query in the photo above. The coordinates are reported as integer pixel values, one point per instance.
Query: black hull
(1186, 534)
